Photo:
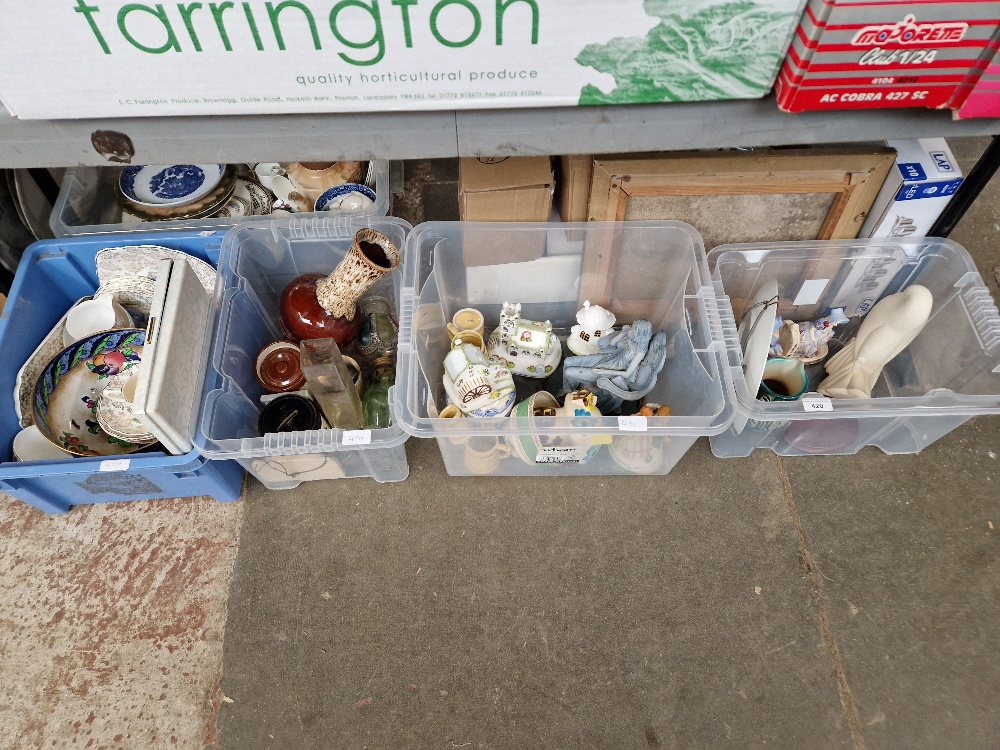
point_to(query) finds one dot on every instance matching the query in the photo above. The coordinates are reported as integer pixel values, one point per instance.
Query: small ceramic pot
(450, 412)
(784, 379)
(467, 319)
(278, 369)
(101, 313)
(289, 413)
(483, 454)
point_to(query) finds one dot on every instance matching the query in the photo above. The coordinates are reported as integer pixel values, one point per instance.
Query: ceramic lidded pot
(278, 368)
(592, 322)
(314, 306)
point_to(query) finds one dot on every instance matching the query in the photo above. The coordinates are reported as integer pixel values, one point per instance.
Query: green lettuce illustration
(727, 50)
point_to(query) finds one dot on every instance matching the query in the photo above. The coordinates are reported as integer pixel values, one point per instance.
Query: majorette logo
(908, 31)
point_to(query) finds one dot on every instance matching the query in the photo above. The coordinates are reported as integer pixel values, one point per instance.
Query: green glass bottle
(375, 404)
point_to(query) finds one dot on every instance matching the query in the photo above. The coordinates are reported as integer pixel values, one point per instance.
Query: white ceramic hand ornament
(888, 329)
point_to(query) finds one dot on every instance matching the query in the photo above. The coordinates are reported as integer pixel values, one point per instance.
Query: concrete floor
(801, 603)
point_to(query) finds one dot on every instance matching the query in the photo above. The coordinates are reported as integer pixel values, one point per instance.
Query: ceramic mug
(483, 454)
(451, 412)
(469, 337)
(101, 313)
(467, 319)
(784, 379)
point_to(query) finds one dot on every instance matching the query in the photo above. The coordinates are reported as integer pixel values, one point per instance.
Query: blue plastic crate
(52, 275)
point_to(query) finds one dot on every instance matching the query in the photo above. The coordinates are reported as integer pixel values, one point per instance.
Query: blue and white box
(915, 193)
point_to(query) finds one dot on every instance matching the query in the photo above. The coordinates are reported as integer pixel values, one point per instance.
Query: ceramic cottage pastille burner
(593, 321)
(527, 347)
(314, 306)
(478, 386)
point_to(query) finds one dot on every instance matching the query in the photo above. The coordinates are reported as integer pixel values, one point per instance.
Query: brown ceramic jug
(314, 306)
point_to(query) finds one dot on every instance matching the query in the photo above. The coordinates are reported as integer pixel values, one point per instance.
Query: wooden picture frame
(848, 178)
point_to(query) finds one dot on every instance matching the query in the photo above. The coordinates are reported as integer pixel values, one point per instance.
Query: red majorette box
(887, 53)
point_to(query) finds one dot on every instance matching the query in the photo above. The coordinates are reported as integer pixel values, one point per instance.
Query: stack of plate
(175, 191)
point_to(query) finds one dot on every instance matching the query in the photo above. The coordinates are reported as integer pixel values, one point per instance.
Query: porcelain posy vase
(314, 306)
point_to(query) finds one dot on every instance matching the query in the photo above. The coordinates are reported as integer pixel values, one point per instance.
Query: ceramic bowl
(31, 445)
(169, 185)
(349, 198)
(65, 398)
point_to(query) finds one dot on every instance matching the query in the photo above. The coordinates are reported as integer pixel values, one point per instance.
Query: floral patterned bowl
(67, 392)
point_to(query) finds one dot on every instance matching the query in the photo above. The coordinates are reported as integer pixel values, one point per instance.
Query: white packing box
(915, 193)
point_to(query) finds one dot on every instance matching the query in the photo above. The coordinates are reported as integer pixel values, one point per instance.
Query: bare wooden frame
(853, 175)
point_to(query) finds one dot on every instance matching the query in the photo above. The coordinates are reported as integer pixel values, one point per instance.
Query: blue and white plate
(349, 198)
(169, 185)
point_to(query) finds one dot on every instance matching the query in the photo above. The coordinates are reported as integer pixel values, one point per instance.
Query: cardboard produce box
(116, 58)
(517, 188)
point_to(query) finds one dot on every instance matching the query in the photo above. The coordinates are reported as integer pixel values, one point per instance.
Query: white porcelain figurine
(888, 329)
(527, 347)
(593, 321)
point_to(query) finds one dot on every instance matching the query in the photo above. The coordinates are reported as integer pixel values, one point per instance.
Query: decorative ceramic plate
(141, 260)
(114, 410)
(65, 397)
(169, 185)
(204, 206)
(27, 376)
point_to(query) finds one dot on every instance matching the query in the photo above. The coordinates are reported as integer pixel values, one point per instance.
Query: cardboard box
(575, 175)
(886, 53)
(116, 58)
(916, 191)
(517, 188)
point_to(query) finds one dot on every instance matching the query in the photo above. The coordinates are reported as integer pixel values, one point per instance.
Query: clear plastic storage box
(651, 270)
(87, 205)
(258, 260)
(51, 277)
(949, 373)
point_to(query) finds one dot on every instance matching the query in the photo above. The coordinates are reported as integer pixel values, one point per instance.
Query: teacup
(483, 454)
(467, 319)
(101, 313)
(784, 379)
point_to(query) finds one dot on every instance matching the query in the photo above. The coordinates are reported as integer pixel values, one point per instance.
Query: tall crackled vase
(314, 306)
